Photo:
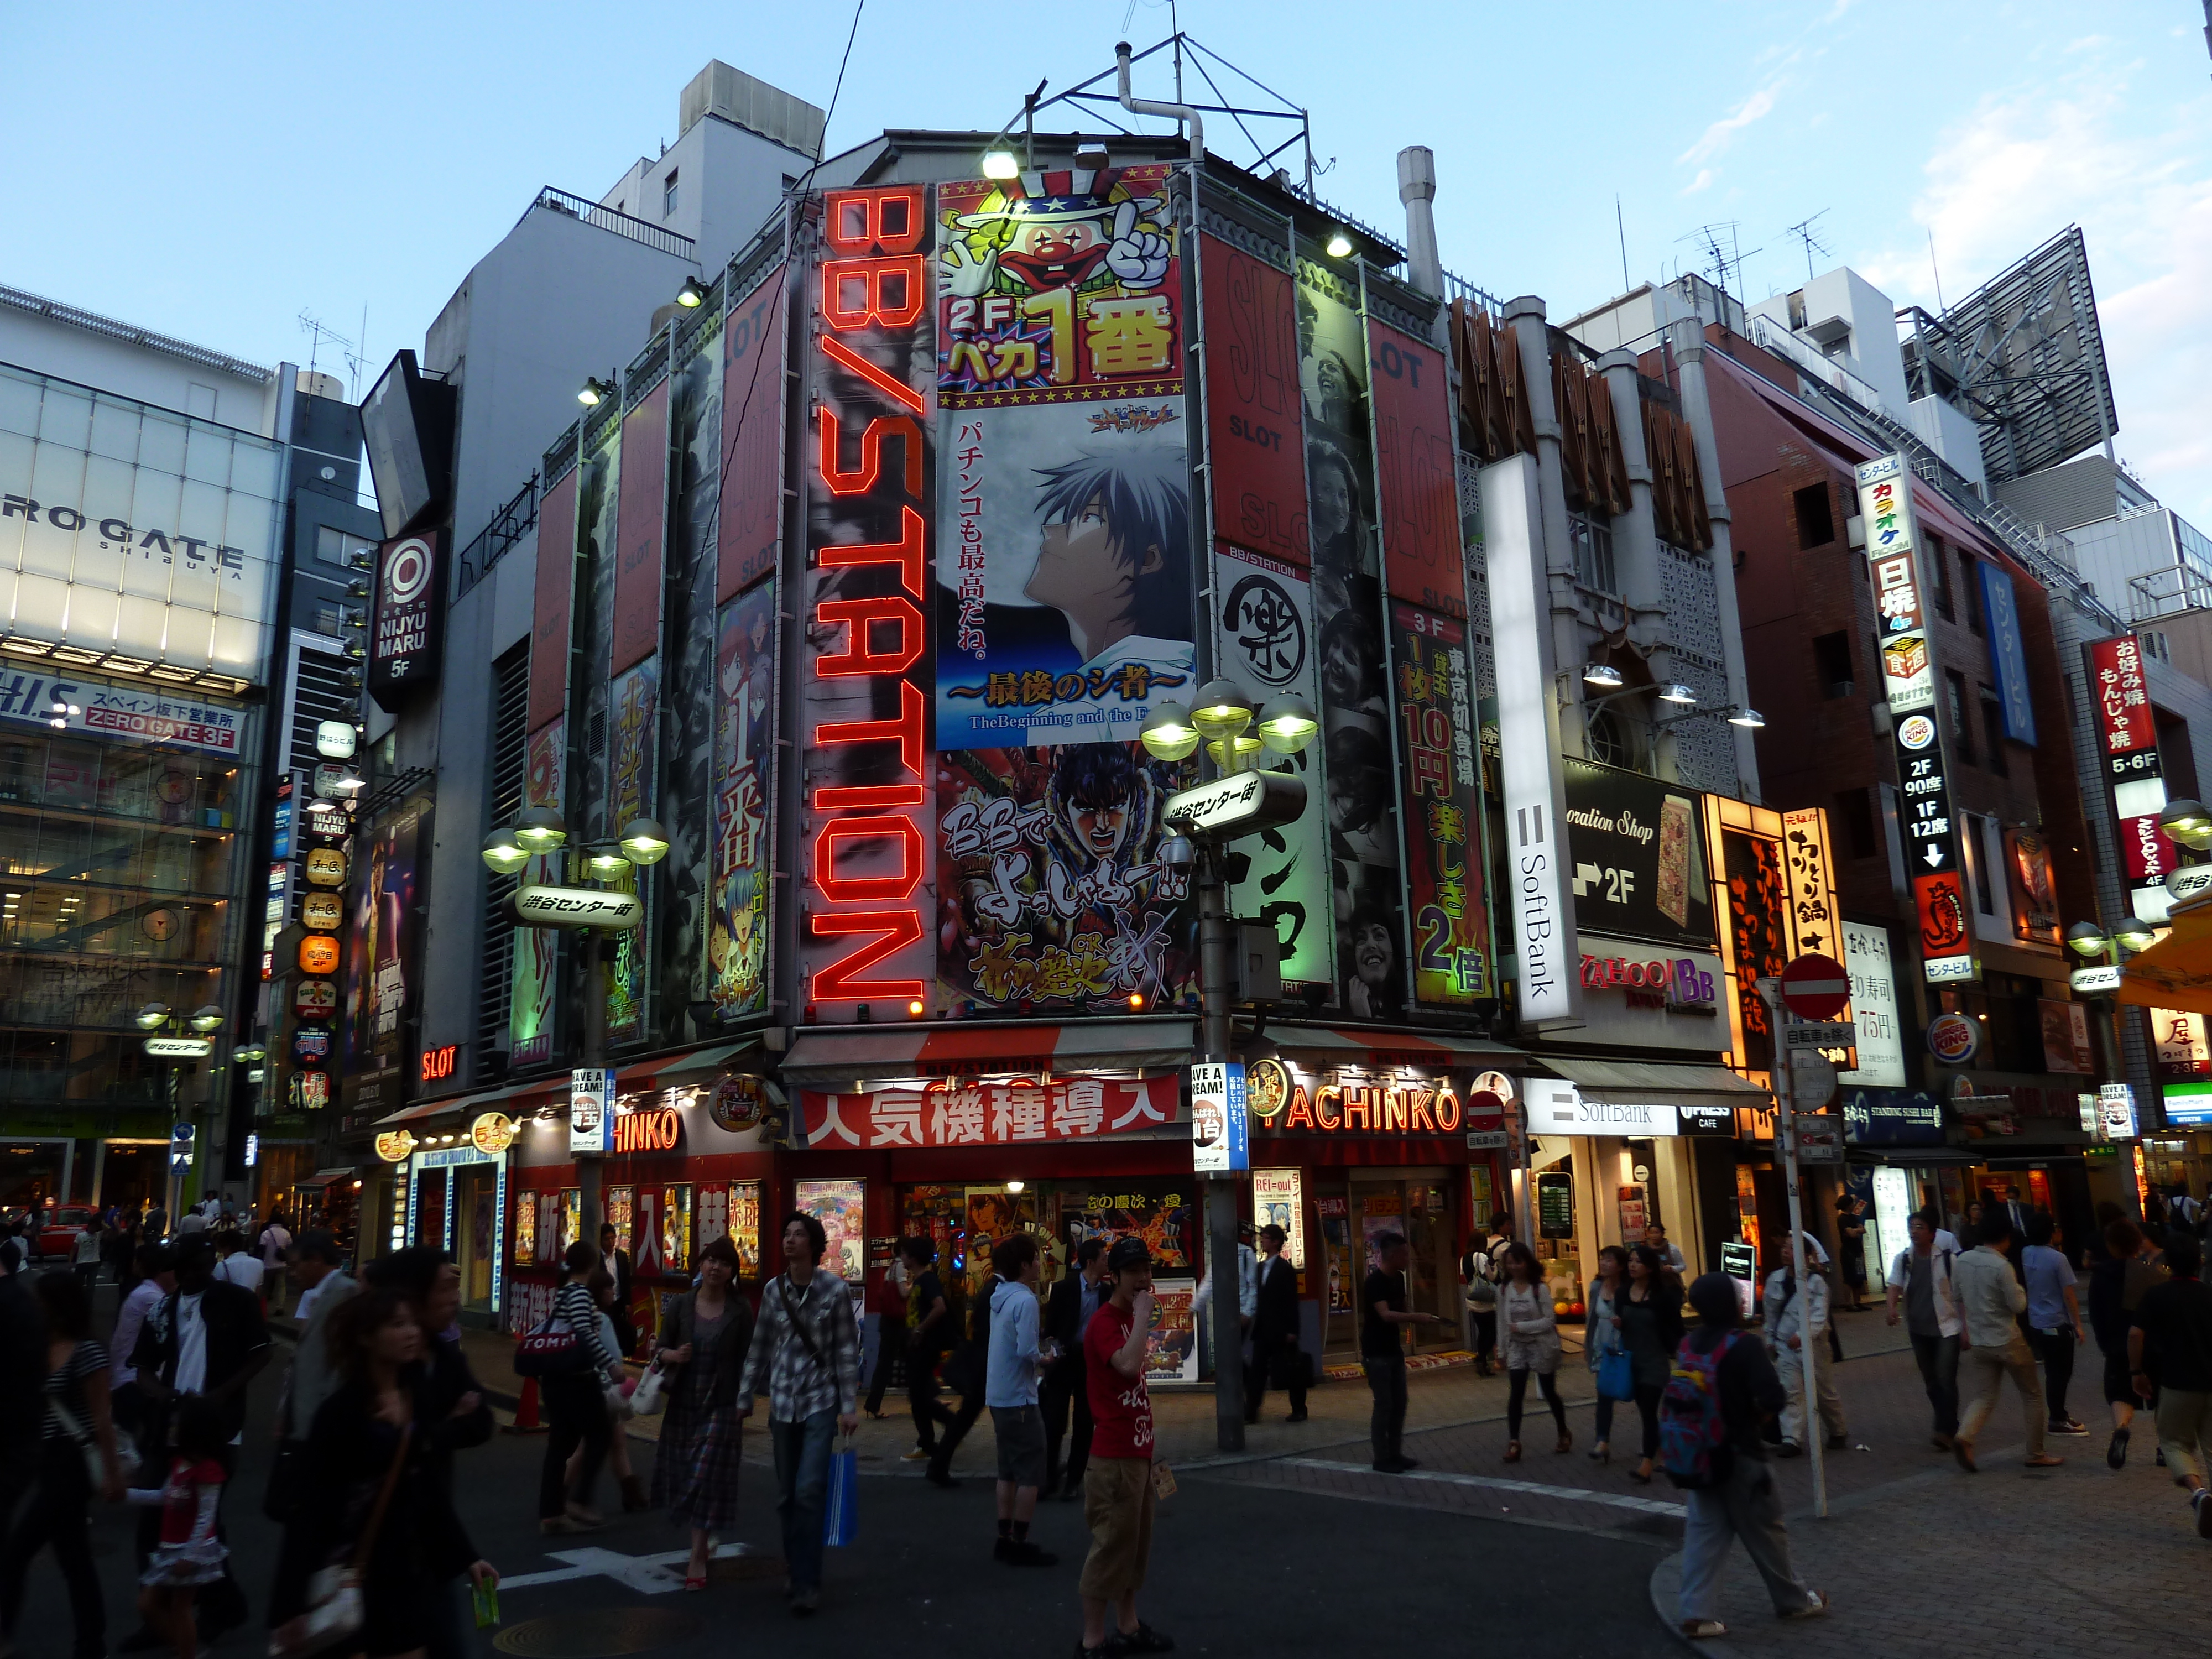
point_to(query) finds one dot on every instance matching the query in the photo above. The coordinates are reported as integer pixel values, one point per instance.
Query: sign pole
(1785, 1104)
(1221, 1199)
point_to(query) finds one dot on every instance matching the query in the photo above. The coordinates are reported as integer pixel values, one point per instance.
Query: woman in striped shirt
(576, 1403)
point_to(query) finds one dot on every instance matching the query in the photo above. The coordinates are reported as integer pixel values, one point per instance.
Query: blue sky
(213, 170)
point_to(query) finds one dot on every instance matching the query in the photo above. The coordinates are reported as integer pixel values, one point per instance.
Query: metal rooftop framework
(2023, 357)
(93, 323)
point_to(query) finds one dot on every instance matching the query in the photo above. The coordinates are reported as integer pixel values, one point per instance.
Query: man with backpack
(1479, 1270)
(1721, 1390)
(1921, 1275)
(1795, 1316)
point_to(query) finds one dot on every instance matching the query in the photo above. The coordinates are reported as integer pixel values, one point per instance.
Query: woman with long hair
(704, 1341)
(378, 1496)
(77, 1423)
(1601, 1335)
(604, 1289)
(1531, 1324)
(1650, 1330)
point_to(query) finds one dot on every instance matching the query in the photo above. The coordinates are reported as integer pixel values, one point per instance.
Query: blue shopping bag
(841, 1514)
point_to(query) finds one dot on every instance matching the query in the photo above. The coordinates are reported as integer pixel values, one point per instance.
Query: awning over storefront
(1330, 1046)
(322, 1178)
(1621, 1079)
(857, 1054)
(2176, 972)
(458, 1105)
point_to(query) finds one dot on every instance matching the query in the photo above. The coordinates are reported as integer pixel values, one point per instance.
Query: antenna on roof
(1803, 231)
(1724, 258)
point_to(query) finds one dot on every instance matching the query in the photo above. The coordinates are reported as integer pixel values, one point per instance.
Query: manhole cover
(602, 1633)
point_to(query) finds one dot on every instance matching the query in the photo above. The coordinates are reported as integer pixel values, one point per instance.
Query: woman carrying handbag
(1614, 1371)
(1532, 1343)
(702, 1355)
(1651, 1314)
(382, 1522)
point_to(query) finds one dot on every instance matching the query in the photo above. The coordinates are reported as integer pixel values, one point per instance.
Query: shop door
(430, 1209)
(1421, 1209)
(476, 1221)
(1339, 1325)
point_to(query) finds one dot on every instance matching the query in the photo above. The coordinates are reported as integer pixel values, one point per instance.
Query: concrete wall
(1946, 430)
(2111, 551)
(145, 372)
(1870, 349)
(556, 300)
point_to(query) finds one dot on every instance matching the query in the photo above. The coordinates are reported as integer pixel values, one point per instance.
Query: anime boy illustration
(1113, 558)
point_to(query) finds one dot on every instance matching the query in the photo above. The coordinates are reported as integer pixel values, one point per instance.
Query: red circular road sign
(1815, 986)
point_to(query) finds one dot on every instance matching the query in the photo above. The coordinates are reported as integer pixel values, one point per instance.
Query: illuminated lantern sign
(493, 1133)
(319, 954)
(322, 912)
(393, 1145)
(311, 1091)
(326, 866)
(315, 999)
(867, 867)
(438, 1063)
(660, 1130)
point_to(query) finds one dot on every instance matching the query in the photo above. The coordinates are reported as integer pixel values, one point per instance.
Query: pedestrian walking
(968, 1373)
(1479, 1270)
(616, 1306)
(2054, 1318)
(155, 1281)
(381, 1496)
(929, 1333)
(1721, 1390)
(1066, 1401)
(615, 1403)
(1017, 1351)
(2170, 1347)
(1796, 1314)
(1118, 1487)
(1382, 1312)
(274, 1244)
(1651, 1329)
(312, 1379)
(1991, 1300)
(1531, 1325)
(84, 1252)
(238, 1265)
(704, 1337)
(2117, 1287)
(1920, 1279)
(1850, 1238)
(889, 1299)
(204, 1338)
(1654, 1235)
(77, 1437)
(157, 1223)
(1277, 1357)
(188, 1554)
(806, 1352)
(1602, 1350)
(576, 1403)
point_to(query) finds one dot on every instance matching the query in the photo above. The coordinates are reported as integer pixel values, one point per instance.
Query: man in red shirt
(1117, 1487)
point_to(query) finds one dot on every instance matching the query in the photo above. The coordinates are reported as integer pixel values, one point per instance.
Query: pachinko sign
(1348, 1105)
(865, 872)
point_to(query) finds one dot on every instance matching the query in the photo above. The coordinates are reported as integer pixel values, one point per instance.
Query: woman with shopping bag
(701, 1354)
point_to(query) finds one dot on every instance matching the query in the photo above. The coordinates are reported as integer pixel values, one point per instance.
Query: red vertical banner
(641, 523)
(1442, 790)
(1252, 413)
(1414, 471)
(548, 621)
(2127, 740)
(749, 530)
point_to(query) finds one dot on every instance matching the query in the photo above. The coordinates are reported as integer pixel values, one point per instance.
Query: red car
(57, 1233)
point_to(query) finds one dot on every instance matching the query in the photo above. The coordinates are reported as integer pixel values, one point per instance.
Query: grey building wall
(134, 362)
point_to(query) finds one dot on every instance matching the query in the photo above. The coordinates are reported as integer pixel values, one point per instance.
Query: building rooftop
(130, 334)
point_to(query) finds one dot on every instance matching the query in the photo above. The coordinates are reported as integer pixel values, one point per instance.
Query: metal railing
(508, 525)
(613, 219)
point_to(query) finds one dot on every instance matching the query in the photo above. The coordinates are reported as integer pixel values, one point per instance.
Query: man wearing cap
(1117, 1487)
(1275, 1330)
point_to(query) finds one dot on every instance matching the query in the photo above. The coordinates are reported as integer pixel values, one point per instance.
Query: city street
(1299, 1547)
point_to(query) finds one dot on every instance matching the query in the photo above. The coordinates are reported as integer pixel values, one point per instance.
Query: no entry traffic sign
(1815, 986)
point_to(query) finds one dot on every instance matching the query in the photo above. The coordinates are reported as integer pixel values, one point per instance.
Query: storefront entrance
(1356, 1207)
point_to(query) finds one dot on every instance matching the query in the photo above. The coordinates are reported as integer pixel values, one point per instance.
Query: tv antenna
(1724, 256)
(1803, 231)
(321, 333)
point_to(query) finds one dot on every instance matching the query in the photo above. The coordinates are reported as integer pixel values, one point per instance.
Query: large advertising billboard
(739, 890)
(534, 975)
(1257, 444)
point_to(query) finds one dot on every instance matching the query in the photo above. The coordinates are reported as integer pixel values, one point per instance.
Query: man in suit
(618, 1264)
(1066, 1316)
(1275, 1330)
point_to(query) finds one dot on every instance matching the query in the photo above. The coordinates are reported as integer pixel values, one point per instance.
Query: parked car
(57, 1233)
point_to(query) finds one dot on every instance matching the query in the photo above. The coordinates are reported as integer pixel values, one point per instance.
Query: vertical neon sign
(866, 868)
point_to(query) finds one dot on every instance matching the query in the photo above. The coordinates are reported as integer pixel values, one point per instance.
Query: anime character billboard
(535, 971)
(744, 736)
(633, 736)
(1051, 897)
(1064, 593)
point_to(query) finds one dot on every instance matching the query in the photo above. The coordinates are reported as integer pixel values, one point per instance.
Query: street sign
(1820, 1139)
(1241, 805)
(589, 1109)
(1220, 1135)
(1812, 1080)
(1815, 986)
(2094, 981)
(1840, 1034)
(1487, 1140)
(576, 907)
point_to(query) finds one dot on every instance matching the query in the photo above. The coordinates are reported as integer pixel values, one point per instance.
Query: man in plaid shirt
(807, 1348)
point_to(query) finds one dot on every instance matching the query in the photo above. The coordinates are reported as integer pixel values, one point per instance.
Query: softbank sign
(1529, 744)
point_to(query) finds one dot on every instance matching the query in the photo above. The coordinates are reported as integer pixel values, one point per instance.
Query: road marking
(642, 1573)
(1497, 1483)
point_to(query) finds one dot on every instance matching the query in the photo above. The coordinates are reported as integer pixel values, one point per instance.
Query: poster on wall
(1064, 574)
(2183, 1051)
(739, 890)
(1416, 468)
(640, 522)
(1257, 446)
(1171, 1350)
(1051, 893)
(380, 966)
(1264, 638)
(551, 602)
(864, 872)
(1278, 1200)
(1874, 1006)
(535, 968)
(750, 533)
(2065, 1027)
(2034, 890)
(632, 746)
(1111, 1211)
(1758, 912)
(841, 1207)
(1443, 803)
(1639, 864)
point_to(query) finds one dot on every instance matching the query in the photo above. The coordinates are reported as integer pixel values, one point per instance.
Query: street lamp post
(175, 1039)
(1202, 818)
(599, 913)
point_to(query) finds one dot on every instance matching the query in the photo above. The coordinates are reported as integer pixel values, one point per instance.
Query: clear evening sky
(212, 171)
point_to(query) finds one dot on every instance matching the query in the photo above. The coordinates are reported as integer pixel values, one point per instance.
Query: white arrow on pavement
(642, 1573)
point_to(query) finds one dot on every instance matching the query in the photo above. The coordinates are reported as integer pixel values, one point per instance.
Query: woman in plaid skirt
(702, 1348)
